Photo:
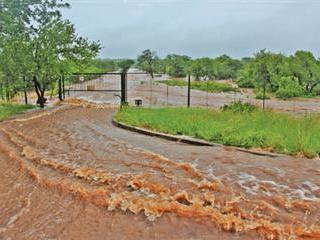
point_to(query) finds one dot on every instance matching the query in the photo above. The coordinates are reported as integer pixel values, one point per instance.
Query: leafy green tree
(161, 66)
(125, 65)
(148, 61)
(13, 58)
(306, 69)
(196, 69)
(202, 69)
(271, 72)
(289, 87)
(176, 65)
(103, 65)
(225, 67)
(50, 42)
(245, 75)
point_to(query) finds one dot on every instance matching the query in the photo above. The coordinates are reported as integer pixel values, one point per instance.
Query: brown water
(156, 94)
(69, 174)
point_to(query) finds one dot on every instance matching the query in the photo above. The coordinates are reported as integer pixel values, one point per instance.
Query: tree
(202, 68)
(54, 42)
(50, 42)
(306, 69)
(125, 65)
(224, 67)
(196, 69)
(147, 61)
(263, 79)
(103, 65)
(13, 47)
(267, 72)
(176, 65)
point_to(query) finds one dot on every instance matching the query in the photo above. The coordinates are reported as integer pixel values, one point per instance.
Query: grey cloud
(199, 27)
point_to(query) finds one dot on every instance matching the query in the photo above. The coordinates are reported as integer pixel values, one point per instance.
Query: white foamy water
(252, 185)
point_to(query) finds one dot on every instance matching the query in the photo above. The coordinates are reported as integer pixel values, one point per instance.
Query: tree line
(38, 47)
(283, 76)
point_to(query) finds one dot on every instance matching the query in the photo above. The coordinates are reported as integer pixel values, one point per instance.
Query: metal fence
(114, 88)
(156, 93)
(100, 88)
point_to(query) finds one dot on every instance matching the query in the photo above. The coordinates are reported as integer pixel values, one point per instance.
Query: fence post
(151, 90)
(207, 94)
(264, 96)
(25, 90)
(124, 88)
(167, 94)
(60, 88)
(63, 87)
(189, 90)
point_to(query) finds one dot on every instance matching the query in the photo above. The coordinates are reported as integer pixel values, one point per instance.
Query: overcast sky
(198, 27)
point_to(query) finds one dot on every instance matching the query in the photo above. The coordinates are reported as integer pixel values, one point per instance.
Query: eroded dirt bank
(67, 173)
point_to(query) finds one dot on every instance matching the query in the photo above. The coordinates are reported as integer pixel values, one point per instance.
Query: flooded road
(152, 93)
(68, 173)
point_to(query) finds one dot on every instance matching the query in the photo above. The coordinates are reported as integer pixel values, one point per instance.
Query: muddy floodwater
(68, 173)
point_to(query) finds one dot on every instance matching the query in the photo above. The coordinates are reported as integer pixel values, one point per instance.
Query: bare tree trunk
(40, 92)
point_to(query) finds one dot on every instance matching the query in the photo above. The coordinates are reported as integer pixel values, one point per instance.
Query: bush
(260, 96)
(316, 90)
(245, 83)
(245, 76)
(239, 107)
(289, 87)
(210, 86)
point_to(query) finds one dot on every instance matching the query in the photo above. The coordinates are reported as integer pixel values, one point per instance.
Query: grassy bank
(209, 86)
(277, 132)
(7, 110)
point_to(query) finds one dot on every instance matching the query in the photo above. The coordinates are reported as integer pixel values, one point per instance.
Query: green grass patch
(248, 128)
(208, 86)
(7, 110)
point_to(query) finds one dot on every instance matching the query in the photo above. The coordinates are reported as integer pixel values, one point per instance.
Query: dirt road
(68, 173)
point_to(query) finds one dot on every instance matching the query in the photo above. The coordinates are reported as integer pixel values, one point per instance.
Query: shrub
(239, 107)
(245, 83)
(260, 96)
(289, 87)
(316, 90)
(213, 86)
(210, 86)
(246, 76)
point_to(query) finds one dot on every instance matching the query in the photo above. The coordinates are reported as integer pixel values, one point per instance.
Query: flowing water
(68, 173)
